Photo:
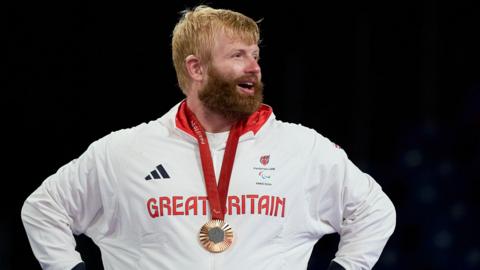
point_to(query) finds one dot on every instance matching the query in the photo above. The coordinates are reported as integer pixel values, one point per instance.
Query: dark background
(397, 85)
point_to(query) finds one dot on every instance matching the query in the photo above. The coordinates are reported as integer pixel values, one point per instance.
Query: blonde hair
(194, 35)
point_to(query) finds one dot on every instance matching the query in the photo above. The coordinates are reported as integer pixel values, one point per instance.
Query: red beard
(220, 95)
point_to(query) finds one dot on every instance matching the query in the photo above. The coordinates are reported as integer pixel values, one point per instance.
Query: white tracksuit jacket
(139, 194)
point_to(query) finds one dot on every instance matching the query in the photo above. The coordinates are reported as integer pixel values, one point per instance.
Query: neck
(210, 121)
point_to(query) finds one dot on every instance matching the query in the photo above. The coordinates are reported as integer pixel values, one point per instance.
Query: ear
(194, 67)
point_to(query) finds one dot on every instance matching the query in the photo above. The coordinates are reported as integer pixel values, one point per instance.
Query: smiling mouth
(247, 88)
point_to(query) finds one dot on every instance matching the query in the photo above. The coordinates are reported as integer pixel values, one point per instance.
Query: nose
(253, 66)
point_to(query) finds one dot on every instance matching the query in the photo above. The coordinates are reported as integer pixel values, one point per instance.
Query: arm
(351, 203)
(74, 200)
(368, 219)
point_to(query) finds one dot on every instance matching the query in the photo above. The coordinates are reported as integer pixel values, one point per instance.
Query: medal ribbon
(217, 196)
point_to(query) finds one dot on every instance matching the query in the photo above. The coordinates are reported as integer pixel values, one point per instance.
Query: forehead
(224, 42)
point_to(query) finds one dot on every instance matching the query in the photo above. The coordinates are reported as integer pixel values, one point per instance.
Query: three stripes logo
(158, 173)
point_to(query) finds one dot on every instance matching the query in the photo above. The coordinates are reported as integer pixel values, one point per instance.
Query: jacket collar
(253, 124)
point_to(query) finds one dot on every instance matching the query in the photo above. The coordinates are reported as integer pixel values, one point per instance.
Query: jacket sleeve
(77, 199)
(352, 204)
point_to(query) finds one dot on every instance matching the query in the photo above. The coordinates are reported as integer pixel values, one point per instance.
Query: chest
(164, 183)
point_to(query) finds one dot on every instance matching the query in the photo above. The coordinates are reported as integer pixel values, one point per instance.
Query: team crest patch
(264, 160)
(264, 173)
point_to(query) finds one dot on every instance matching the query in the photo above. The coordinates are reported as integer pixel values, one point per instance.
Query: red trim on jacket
(253, 123)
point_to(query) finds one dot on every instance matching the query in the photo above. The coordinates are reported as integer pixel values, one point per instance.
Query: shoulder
(125, 140)
(299, 133)
(307, 140)
(142, 133)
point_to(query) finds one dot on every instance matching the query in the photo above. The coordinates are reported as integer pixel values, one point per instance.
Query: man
(216, 183)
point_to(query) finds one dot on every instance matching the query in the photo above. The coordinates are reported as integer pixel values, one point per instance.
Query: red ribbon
(217, 196)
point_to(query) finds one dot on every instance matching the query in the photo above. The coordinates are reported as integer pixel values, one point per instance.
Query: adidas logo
(158, 173)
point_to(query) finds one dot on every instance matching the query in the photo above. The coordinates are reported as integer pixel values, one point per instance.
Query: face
(233, 85)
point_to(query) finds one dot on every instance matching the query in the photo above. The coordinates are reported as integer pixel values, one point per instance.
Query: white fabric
(278, 210)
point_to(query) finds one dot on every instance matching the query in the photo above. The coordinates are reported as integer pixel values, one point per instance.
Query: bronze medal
(216, 236)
